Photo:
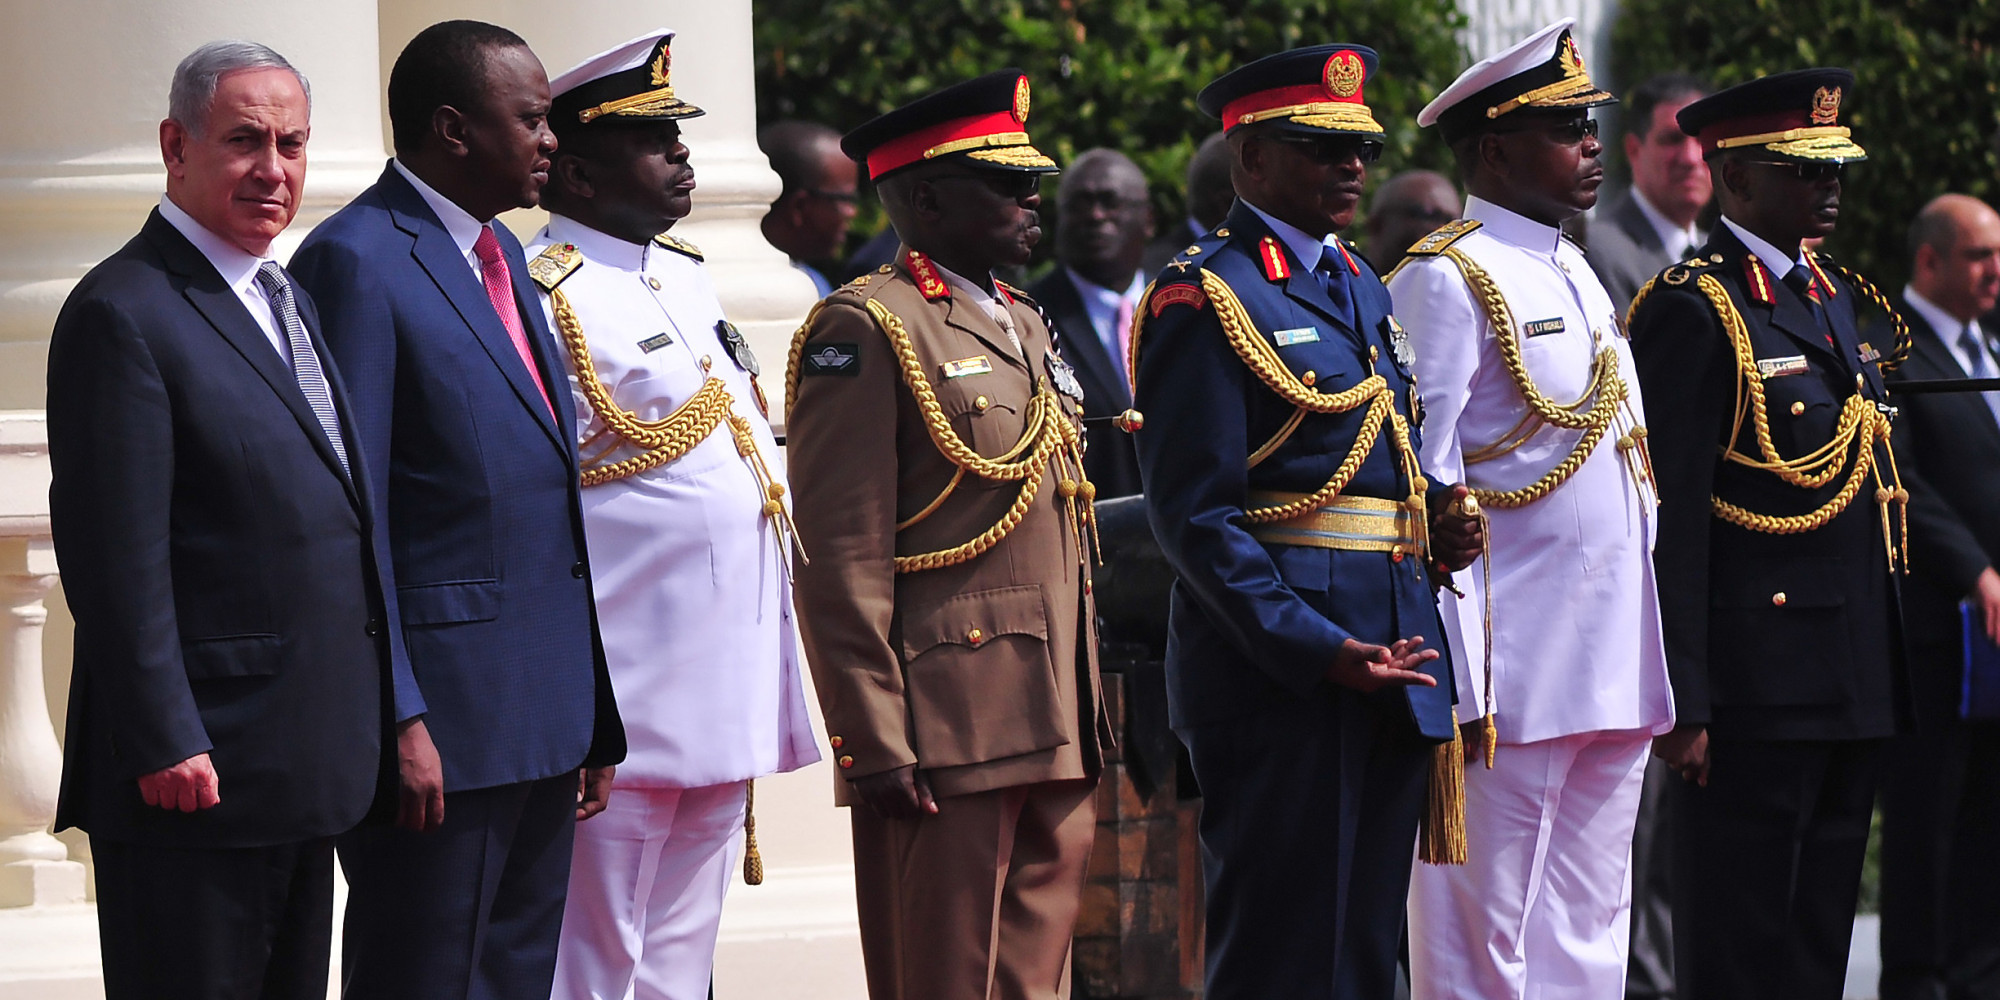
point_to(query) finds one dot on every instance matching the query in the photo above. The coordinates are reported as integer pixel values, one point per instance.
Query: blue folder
(1979, 691)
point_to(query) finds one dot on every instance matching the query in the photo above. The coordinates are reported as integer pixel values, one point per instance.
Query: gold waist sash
(1353, 524)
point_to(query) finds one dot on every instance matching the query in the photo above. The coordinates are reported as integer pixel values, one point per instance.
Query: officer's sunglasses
(1010, 184)
(1567, 133)
(1332, 149)
(1811, 173)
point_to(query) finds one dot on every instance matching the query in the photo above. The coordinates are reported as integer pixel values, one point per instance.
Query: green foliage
(1117, 73)
(1926, 104)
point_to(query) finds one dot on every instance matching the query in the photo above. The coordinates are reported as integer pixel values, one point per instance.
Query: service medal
(1399, 344)
(738, 347)
(1063, 376)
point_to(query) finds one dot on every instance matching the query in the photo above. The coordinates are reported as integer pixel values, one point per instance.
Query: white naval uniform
(694, 603)
(1580, 680)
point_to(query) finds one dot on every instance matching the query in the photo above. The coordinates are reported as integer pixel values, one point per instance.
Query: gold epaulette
(1441, 237)
(678, 245)
(552, 265)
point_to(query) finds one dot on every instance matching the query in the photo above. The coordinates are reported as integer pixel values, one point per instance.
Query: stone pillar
(34, 866)
(714, 70)
(81, 166)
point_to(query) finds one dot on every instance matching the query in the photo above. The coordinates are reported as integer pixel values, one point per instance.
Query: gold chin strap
(1051, 441)
(669, 437)
(1850, 451)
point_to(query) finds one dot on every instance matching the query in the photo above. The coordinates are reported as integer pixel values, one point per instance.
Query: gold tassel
(1443, 837)
(753, 863)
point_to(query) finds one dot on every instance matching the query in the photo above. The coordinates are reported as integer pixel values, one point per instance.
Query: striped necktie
(305, 361)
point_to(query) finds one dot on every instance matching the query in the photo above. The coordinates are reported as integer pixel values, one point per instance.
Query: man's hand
(188, 786)
(1367, 668)
(1457, 537)
(1986, 593)
(593, 791)
(420, 803)
(899, 794)
(1686, 751)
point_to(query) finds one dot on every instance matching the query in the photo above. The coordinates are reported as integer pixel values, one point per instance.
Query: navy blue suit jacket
(481, 490)
(1254, 625)
(222, 570)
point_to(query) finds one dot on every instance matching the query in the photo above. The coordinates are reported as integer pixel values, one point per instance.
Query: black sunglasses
(1568, 133)
(1811, 173)
(1330, 149)
(1011, 184)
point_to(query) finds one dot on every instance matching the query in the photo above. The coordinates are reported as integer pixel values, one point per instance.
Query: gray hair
(195, 79)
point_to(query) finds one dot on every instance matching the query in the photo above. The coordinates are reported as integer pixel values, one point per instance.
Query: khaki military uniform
(948, 623)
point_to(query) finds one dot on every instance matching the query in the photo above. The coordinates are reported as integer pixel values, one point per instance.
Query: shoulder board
(1442, 237)
(679, 246)
(552, 265)
(1017, 294)
(1819, 263)
(1688, 270)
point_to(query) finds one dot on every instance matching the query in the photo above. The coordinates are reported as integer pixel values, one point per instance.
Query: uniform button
(981, 403)
(1374, 353)
(835, 742)
(1798, 407)
(374, 626)
(707, 362)
(846, 762)
(975, 637)
(1396, 553)
(1778, 599)
(576, 570)
(655, 282)
(1563, 266)
(1309, 377)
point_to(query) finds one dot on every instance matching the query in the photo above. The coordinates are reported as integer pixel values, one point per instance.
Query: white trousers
(1543, 909)
(645, 894)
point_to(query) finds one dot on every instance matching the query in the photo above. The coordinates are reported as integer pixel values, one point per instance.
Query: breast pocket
(1777, 634)
(979, 677)
(984, 411)
(1802, 413)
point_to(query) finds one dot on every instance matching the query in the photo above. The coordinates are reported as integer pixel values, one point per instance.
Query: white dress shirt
(1679, 241)
(462, 227)
(1309, 249)
(1102, 304)
(1775, 260)
(1951, 330)
(1576, 622)
(238, 268)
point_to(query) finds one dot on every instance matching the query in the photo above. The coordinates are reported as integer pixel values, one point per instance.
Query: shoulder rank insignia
(1813, 260)
(1273, 255)
(1179, 266)
(1760, 280)
(1193, 250)
(678, 245)
(1176, 295)
(1341, 245)
(552, 265)
(732, 340)
(1682, 273)
(1441, 237)
(929, 281)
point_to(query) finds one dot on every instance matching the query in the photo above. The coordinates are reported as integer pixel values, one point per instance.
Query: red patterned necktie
(500, 290)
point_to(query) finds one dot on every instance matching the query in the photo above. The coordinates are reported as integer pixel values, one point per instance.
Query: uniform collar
(1512, 227)
(1308, 248)
(599, 247)
(1774, 259)
(458, 223)
(1947, 326)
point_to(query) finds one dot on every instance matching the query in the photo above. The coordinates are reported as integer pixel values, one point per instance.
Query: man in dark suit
(1208, 198)
(1778, 546)
(1405, 209)
(217, 537)
(1103, 220)
(1283, 484)
(1654, 224)
(1941, 790)
(460, 401)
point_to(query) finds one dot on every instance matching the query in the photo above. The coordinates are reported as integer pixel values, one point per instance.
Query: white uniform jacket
(1575, 616)
(693, 583)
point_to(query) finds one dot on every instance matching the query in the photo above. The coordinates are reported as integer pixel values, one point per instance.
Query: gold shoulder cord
(1049, 439)
(1861, 425)
(1603, 400)
(669, 437)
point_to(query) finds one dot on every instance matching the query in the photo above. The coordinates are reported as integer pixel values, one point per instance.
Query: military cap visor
(630, 83)
(1793, 116)
(1318, 89)
(1542, 72)
(982, 122)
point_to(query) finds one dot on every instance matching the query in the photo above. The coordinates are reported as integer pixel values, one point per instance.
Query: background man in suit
(1778, 596)
(1941, 790)
(431, 313)
(1208, 197)
(217, 538)
(1405, 208)
(809, 219)
(1654, 224)
(1103, 220)
(947, 610)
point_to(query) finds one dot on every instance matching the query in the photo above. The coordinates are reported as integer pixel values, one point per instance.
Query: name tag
(1774, 367)
(655, 342)
(1544, 327)
(967, 366)
(1302, 335)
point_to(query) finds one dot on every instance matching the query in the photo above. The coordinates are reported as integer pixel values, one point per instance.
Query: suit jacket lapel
(438, 254)
(1786, 312)
(1632, 219)
(1930, 358)
(1081, 346)
(217, 303)
(1301, 287)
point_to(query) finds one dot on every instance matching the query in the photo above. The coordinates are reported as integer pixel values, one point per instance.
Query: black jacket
(1110, 461)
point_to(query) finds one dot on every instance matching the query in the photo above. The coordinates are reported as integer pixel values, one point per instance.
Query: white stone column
(714, 70)
(81, 165)
(34, 866)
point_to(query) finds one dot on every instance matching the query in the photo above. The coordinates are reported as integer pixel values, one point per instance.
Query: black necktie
(1800, 280)
(1332, 273)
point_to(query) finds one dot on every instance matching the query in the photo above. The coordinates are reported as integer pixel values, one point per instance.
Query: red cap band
(903, 151)
(1281, 97)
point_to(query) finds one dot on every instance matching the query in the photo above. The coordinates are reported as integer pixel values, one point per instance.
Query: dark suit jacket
(1824, 660)
(1110, 461)
(221, 570)
(481, 488)
(1163, 247)
(1949, 446)
(1624, 250)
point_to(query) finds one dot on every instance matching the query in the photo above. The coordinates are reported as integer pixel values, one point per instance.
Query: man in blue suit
(1279, 460)
(458, 399)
